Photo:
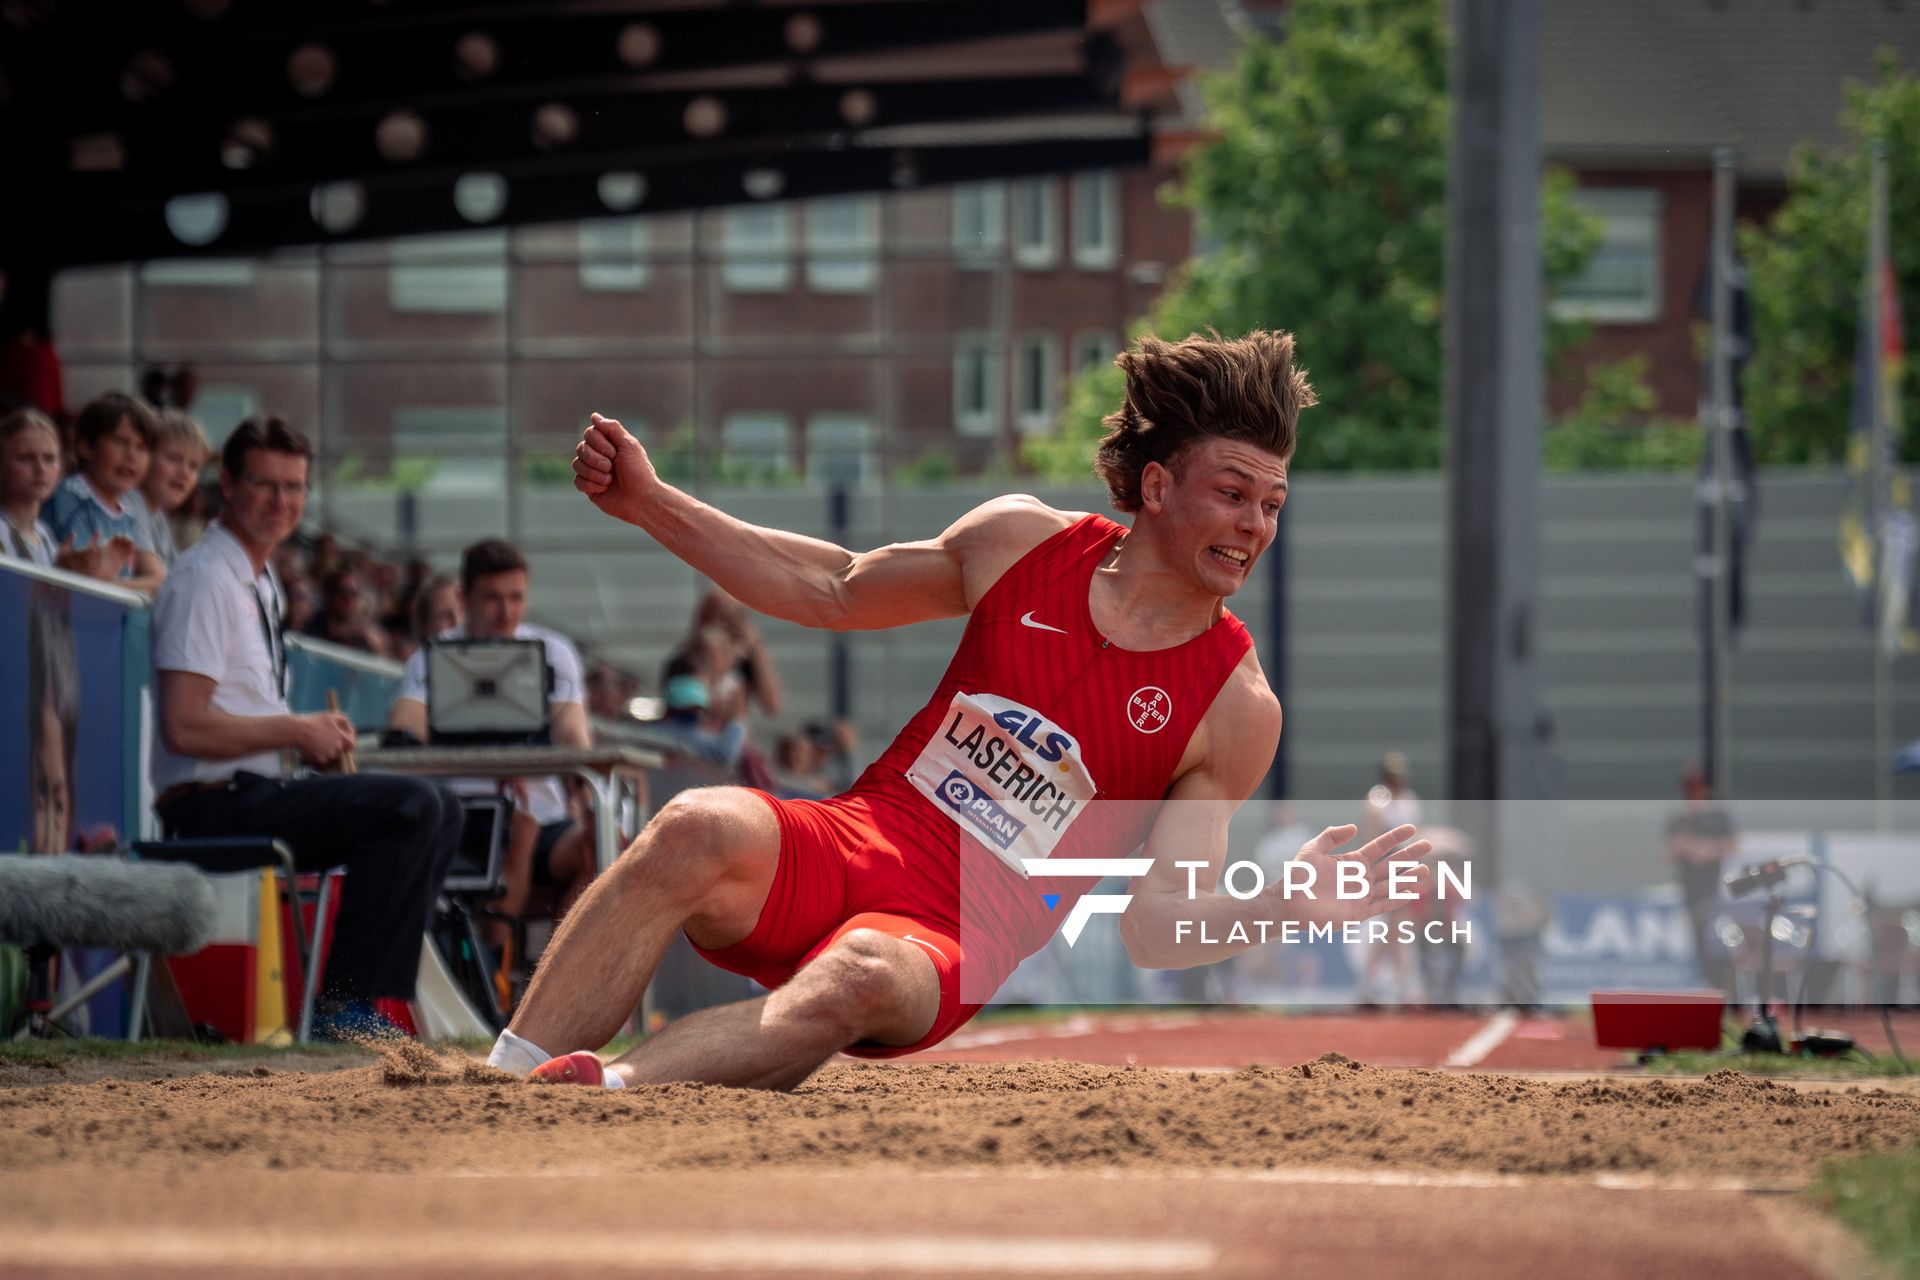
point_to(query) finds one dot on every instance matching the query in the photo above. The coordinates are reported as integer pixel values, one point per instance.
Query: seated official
(226, 739)
(551, 844)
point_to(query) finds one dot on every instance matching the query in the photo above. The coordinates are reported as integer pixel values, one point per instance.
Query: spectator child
(114, 441)
(29, 473)
(180, 450)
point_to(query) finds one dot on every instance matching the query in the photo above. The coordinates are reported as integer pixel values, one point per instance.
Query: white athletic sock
(511, 1053)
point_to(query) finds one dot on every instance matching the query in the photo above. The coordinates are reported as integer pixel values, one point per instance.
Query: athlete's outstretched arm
(801, 579)
(1193, 826)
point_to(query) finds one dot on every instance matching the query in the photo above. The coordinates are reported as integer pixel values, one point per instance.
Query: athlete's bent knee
(858, 983)
(692, 841)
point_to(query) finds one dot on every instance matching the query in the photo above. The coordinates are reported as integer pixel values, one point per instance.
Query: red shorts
(837, 872)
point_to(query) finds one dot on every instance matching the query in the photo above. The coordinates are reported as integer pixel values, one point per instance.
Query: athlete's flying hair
(1179, 393)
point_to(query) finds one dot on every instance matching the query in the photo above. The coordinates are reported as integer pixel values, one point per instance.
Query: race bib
(1006, 774)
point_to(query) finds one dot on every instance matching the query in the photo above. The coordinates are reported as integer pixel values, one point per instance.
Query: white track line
(1301, 1175)
(620, 1250)
(1307, 1176)
(1485, 1040)
(1070, 1029)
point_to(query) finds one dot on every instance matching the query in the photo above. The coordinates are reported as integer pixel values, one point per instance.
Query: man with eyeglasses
(227, 740)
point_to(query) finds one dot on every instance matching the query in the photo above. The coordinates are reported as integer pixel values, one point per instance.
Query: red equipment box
(1642, 1020)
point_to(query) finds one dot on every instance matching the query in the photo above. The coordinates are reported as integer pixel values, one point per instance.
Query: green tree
(1616, 428)
(1804, 276)
(1322, 208)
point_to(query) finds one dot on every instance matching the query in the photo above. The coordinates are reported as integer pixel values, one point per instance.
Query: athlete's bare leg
(867, 986)
(705, 863)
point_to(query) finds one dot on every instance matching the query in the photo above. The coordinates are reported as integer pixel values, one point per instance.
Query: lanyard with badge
(269, 615)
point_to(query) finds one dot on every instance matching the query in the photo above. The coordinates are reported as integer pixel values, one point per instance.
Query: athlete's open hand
(612, 468)
(1326, 906)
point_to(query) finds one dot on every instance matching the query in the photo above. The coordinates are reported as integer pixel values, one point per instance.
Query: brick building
(914, 332)
(919, 331)
(1635, 97)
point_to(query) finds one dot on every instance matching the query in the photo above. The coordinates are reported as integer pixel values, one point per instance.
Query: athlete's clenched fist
(612, 468)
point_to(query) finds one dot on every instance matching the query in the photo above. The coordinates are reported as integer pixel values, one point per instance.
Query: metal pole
(1494, 403)
(839, 652)
(1723, 479)
(1274, 656)
(1877, 248)
(703, 271)
(513, 445)
(1005, 449)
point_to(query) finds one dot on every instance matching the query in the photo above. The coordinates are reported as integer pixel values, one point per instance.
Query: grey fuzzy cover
(95, 901)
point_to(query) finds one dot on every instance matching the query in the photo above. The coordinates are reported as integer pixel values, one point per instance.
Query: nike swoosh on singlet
(1026, 620)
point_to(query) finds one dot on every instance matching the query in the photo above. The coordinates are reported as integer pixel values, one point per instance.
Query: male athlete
(1099, 664)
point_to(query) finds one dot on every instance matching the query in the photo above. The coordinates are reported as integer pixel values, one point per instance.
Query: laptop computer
(488, 692)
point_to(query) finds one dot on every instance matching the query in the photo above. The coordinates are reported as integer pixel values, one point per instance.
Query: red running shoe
(573, 1068)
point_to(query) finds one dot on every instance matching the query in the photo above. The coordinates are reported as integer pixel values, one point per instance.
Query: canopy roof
(152, 128)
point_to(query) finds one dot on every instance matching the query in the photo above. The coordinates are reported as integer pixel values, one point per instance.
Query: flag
(1875, 416)
(1743, 500)
(1897, 536)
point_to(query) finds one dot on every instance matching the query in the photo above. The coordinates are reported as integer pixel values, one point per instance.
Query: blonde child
(29, 473)
(180, 451)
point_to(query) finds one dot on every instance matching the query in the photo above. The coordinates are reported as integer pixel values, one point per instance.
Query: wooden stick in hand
(347, 763)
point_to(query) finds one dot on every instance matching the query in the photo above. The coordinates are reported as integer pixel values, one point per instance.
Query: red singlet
(1037, 717)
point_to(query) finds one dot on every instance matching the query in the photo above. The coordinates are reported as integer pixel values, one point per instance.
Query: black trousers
(395, 835)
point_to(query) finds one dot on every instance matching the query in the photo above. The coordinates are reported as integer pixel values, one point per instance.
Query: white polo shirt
(216, 617)
(546, 798)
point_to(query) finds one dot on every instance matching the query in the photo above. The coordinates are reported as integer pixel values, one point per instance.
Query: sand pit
(421, 1164)
(417, 1112)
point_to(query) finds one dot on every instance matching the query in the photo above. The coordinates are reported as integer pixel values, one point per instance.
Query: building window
(840, 449)
(976, 385)
(1037, 385)
(979, 222)
(843, 236)
(1036, 235)
(450, 449)
(758, 446)
(613, 255)
(1094, 348)
(1096, 219)
(1621, 282)
(220, 409)
(198, 273)
(464, 273)
(755, 242)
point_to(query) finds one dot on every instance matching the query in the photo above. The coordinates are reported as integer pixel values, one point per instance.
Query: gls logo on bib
(1006, 773)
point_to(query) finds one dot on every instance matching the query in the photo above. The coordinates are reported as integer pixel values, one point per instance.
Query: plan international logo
(1297, 881)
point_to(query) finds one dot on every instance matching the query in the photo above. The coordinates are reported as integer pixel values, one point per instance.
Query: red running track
(1228, 1038)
